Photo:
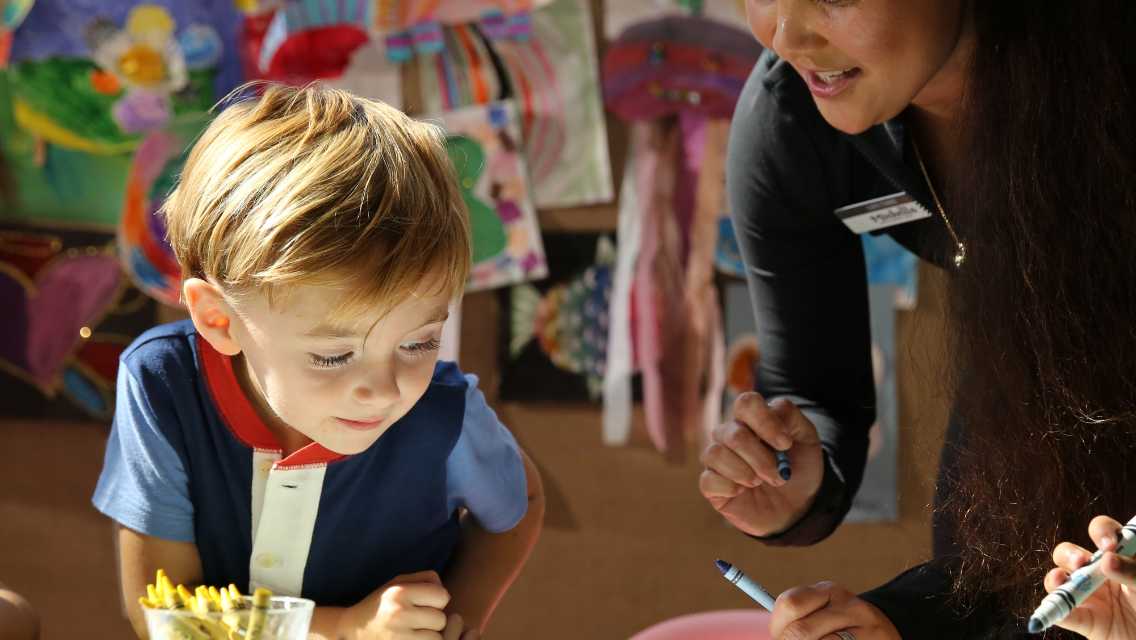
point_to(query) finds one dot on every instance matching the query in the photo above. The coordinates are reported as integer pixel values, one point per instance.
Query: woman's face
(865, 61)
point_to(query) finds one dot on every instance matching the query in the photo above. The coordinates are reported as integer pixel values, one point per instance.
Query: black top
(787, 171)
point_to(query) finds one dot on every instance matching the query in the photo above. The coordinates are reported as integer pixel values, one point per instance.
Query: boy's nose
(379, 389)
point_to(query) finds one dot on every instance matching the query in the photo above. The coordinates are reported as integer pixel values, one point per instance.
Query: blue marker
(1080, 585)
(746, 584)
(783, 468)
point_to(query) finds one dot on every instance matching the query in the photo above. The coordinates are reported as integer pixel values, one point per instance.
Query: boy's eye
(418, 348)
(330, 362)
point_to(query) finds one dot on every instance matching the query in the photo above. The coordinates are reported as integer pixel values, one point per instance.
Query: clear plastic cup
(286, 619)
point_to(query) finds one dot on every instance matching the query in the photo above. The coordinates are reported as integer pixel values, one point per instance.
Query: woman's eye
(330, 362)
(419, 348)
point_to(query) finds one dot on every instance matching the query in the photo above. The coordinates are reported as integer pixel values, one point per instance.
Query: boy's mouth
(361, 425)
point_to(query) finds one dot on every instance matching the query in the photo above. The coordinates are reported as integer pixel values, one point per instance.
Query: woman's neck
(934, 117)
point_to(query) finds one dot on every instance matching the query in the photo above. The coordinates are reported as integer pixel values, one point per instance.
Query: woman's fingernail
(1107, 542)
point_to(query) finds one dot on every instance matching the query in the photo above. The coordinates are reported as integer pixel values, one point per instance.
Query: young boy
(299, 433)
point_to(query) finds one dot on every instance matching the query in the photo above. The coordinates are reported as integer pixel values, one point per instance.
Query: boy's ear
(211, 315)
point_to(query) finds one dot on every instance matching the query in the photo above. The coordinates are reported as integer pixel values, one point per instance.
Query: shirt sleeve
(807, 281)
(143, 484)
(485, 473)
(924, 593)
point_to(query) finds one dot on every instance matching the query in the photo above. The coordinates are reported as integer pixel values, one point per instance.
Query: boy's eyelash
(330, 362)
(418, 348)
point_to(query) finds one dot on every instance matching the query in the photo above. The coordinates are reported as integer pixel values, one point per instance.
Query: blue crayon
(783, 468)
(735, 576)
(1080, 585)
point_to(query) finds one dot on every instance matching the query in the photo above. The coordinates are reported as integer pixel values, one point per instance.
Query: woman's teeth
(830, 76)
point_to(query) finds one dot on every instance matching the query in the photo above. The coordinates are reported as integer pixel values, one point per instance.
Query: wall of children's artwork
(605, 300)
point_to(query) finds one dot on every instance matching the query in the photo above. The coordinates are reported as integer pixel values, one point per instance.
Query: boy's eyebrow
(331, 331)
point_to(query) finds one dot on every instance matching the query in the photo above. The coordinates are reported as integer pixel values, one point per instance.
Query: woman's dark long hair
(1044, 310)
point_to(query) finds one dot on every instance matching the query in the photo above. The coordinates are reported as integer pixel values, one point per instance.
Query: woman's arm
(786, 170)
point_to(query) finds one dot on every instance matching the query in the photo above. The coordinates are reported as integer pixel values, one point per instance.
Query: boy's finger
(426, 619)
(454, 627)
(420, 576)
(428, 596)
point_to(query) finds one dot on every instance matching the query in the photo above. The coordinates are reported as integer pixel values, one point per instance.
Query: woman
(1012, 124)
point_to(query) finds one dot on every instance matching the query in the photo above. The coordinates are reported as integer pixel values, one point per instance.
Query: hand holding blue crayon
(1093, 594)
(822, 610)
(763, 468)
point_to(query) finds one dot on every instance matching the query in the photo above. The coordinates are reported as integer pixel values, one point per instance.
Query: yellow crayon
(152, 594)
(229, 613)
(235, 594)
(259, 616)
(215, 597)
(166, 588)
(185, 595)
(147, 603)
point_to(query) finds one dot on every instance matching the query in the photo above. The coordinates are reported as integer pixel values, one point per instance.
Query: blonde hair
(314, 185)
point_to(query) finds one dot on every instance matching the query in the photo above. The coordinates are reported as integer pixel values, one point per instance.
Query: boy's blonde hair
(314, 185)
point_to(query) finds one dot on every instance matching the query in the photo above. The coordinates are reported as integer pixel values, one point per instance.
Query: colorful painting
(553, 79)
(484, 144)
(70, 314)
(304, 40)
(142, 246)
(89, 79)
(556, 330)
(570, 320)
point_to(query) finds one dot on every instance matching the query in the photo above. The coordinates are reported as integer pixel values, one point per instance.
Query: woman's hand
(741, 479)
(826, 610)
(1110, 613)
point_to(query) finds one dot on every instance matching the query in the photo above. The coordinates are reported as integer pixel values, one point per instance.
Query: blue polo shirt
(189, 459)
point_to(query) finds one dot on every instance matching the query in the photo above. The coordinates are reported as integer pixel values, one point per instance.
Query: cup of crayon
(257, 617)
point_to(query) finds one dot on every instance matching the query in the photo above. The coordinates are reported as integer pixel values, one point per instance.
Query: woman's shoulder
(781, 150)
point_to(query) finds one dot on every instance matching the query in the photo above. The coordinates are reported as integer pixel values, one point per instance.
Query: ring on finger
(845, 635)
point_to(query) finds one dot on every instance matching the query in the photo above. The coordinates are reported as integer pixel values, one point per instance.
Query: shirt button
(267, 560)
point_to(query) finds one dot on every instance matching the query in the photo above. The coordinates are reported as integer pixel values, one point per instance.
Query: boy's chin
(349, 444)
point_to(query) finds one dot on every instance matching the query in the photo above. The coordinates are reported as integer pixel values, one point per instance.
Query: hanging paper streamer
(145, 254)
(484, 144)
(307, 40)
(677, 80)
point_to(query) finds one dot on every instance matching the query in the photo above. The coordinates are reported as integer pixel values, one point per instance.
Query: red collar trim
(241, 417)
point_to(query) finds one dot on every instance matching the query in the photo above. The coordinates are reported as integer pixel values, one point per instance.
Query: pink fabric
(741, 624)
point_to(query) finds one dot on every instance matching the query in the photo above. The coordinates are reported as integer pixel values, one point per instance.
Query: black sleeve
(806, 279)
(919, 603)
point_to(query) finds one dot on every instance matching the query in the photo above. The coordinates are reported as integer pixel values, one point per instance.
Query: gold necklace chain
(960, 248)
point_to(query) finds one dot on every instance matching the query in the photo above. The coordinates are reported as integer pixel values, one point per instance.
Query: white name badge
(881, 212)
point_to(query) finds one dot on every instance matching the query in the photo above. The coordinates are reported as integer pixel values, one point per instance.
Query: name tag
(878, 213)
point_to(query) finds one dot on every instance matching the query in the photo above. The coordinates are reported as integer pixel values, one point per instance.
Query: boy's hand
(410, 606)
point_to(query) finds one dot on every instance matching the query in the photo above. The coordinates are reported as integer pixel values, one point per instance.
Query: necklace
(960, 248)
